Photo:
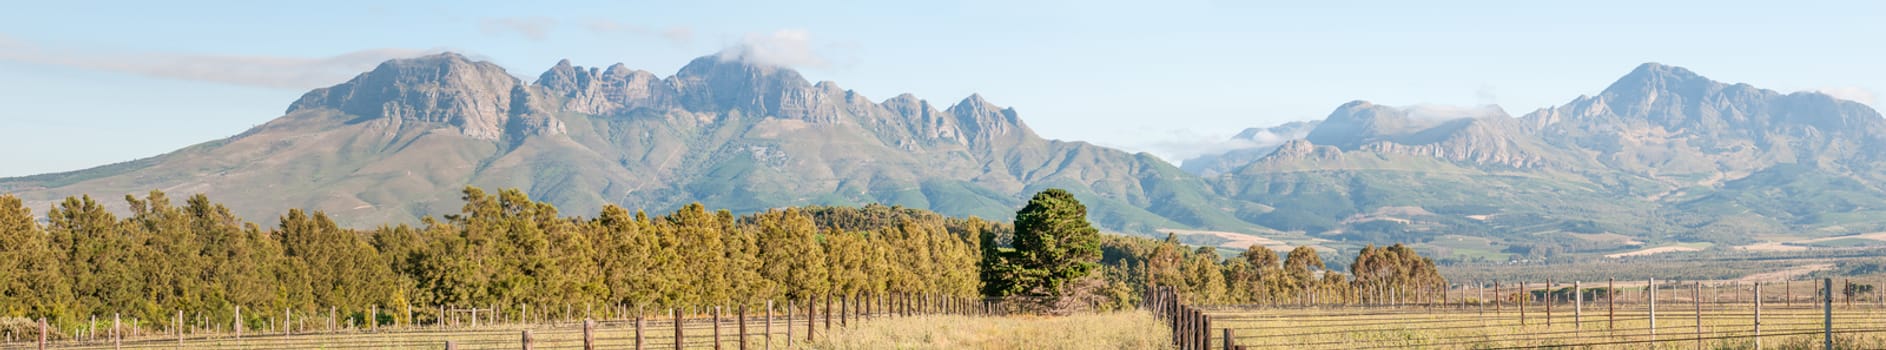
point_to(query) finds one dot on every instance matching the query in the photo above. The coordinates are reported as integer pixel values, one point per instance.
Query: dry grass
(1123, 330)
(1723, 327)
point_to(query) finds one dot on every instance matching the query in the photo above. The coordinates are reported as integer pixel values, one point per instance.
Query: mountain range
(1661, 156)
(398, 143)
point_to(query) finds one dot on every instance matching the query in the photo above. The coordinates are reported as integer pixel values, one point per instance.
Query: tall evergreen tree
(1054, 244)
(34, 285)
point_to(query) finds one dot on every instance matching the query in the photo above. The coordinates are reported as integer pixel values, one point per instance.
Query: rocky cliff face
(1483, 136)
(987, 124)
(1300, 149)
(478, 98)
(604, 92)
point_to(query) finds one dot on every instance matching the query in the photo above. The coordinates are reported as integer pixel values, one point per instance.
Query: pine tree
(1054, 244)
(789, 252)
(35, 285)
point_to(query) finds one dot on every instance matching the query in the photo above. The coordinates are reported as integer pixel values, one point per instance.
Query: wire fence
(729, 328)
(1645, 315)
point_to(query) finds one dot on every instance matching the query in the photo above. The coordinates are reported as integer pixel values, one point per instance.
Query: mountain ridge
(394, 144)
(1661, 155)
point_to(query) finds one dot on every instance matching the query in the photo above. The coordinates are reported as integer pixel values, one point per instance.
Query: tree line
(505, 251)
(1258, 276)
(501, 250)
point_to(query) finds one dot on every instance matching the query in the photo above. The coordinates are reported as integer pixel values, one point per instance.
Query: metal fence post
(1827, 311)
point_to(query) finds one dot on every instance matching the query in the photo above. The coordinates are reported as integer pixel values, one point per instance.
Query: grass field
(1391, 328)
(698, 333)
(1126, 330)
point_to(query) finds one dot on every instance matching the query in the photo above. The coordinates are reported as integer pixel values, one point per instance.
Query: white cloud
(1855, 94)
(784, 48)
(1264, 137)
(1178, 145)
(533, 28)
(251, 70)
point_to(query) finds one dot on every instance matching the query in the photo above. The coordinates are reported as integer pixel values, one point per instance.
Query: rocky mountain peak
(603, 92)
(1651, 82)
(720, 82)
(1354, 122)
(982, 120)
(909, 106)
(477, 97)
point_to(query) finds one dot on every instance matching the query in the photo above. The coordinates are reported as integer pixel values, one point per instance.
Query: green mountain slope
(394, 144)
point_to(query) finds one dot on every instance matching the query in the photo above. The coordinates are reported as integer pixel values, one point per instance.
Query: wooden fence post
(42, 333)
(1190, 325)
(1204, 334)
(811, 318)
(1191, 328)
(237, 325)
(741, 319)
(1525, 297)
(1203, 331)
(716, 327)
(789, 310)
(1549, 299)
(640, 342)
(1231, 343)
(676, 313)
(769, 325)
(1184, 335)
(450, 345)
(1173, 323)
(844, 312)
(828, 312)
(117, 335)
(589, 334)
(1497, 298)
(1697, 297)
(529, 341)
(1610, 303)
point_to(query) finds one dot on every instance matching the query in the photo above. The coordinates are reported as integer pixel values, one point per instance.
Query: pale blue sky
(90, 83)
